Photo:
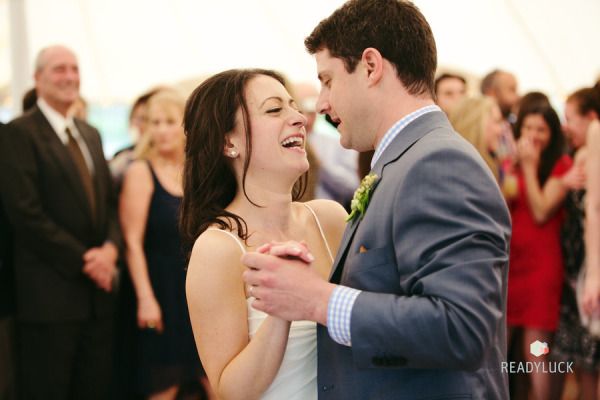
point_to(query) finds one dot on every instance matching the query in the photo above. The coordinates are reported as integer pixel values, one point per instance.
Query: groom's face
(342, 97)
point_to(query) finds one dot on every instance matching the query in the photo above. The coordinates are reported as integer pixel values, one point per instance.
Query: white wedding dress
(297, 375)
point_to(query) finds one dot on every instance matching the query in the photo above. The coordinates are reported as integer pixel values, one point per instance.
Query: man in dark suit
(58, 195)
(414, 307)
(7, 305)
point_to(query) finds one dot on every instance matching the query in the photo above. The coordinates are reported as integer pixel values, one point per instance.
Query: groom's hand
(287, 288)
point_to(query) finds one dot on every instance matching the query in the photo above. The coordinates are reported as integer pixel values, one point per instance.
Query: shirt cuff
(339, 311)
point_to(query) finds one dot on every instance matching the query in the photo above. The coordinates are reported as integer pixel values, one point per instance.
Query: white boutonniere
(361, 198)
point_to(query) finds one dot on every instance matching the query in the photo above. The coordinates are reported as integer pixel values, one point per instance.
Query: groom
(414, 307)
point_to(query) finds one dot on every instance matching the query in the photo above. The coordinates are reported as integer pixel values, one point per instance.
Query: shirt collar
(57, 121)
(391, 134)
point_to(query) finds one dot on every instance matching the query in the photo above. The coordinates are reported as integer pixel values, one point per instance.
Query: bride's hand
(290, 249)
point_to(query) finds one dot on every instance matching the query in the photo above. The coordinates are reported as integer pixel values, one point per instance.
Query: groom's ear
(372, 61)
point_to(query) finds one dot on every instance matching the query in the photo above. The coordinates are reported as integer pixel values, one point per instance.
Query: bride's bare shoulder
(215, 252)
(332, 217)
(329, 212)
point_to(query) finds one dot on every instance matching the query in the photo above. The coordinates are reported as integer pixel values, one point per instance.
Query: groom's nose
(323, 106)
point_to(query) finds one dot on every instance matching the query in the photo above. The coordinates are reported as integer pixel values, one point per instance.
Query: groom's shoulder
(439, 145)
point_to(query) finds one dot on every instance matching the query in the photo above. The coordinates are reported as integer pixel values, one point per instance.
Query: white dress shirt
(60, 124)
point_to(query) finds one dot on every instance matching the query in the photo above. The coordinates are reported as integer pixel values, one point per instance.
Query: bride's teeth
(293, 140)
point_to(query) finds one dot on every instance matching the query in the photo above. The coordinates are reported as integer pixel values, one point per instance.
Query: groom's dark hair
(397, 29)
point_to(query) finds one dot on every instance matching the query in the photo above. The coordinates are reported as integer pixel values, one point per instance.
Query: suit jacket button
(326, 388)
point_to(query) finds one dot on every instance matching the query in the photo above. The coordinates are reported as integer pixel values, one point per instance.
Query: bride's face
(278, 131)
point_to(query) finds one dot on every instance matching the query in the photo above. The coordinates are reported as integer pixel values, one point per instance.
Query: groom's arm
(452, 225)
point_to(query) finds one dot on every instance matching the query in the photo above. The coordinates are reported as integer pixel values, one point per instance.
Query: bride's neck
(268, 211)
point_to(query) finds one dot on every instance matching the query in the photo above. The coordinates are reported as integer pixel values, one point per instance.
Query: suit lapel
(343, 249)
(63, 159)
(410, 135)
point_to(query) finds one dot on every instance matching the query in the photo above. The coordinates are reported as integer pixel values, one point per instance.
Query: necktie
(82, 168)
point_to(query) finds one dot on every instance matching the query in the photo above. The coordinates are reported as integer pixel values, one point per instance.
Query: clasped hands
(100, 265)
(284, 284)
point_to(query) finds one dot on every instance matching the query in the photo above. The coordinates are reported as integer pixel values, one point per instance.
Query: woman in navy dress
(166, 356)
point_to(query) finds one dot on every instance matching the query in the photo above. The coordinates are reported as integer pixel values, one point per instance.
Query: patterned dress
(572, 341)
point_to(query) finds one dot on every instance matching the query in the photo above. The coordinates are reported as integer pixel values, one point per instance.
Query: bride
(245, 153)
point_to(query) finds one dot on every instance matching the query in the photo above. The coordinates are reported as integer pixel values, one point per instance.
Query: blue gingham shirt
(339, 309)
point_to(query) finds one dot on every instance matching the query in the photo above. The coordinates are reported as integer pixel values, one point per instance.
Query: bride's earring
(233, 153)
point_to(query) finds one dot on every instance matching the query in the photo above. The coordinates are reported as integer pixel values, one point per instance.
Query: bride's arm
(237, 368)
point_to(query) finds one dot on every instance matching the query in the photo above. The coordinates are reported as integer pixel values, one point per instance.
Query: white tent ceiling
(127, 46)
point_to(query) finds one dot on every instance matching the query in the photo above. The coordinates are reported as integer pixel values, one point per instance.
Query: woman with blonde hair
(480, 122)
(149, 207)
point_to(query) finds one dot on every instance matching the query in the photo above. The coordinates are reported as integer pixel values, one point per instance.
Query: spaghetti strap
(158, 186)
(237, 240)
(154, 177)
(320, 230)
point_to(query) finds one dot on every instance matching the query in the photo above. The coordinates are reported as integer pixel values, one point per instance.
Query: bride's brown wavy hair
(209, 183)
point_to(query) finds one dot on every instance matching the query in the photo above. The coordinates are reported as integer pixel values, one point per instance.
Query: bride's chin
(305, 167)
(299, 169)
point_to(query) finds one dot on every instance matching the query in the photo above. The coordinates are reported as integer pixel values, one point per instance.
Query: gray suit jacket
(430, 322)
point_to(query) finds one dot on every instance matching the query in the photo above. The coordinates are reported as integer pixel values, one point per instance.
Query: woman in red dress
(536, 272)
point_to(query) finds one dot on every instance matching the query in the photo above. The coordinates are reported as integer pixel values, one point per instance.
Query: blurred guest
(536, 270)
(29, 99)
(479, 121)
(337, 177)
(502, 86)
(450, 89)
(126, 337)
(137, 125)
(57, 192)
(149, 206)
(591, 300)
(573, 341)
(7, 305)
(304, 94)
(79, 109)
(532, 100)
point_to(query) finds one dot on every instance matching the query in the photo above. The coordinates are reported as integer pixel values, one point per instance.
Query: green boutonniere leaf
(362, 196)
